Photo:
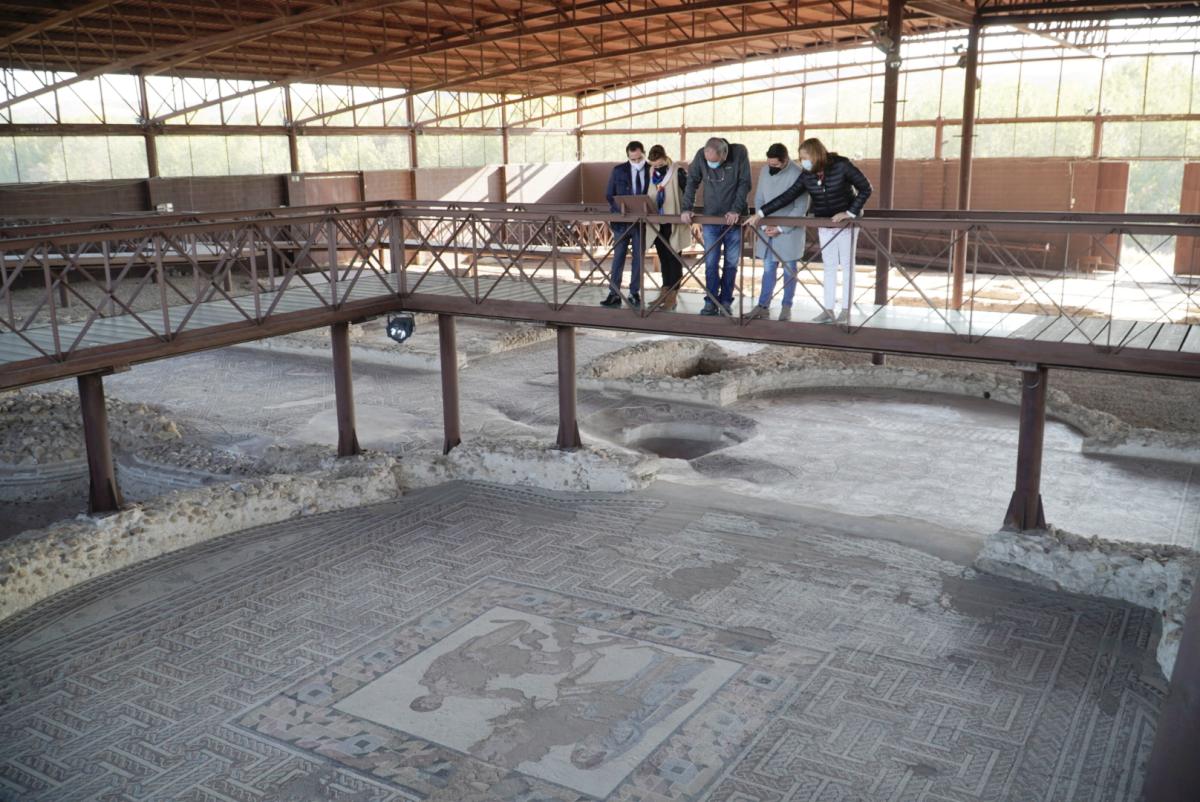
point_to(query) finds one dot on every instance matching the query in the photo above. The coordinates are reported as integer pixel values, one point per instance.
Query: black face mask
(774, 170)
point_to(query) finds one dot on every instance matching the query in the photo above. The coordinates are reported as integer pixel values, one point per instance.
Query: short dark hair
(656, 153)
(777, 151)
(635, 145)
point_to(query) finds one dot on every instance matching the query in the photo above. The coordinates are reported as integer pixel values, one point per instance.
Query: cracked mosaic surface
(474, 643)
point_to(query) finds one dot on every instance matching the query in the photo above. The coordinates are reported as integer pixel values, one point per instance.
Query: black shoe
(612, 300)
(635, 300)
(709, 310)
(727, 309)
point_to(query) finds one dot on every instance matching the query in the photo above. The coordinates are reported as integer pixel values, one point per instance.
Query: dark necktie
(637, 182)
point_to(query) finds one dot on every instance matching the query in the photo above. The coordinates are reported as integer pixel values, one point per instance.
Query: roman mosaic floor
(475, 643)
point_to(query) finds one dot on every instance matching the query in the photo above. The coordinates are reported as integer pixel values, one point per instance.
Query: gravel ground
(44, 426)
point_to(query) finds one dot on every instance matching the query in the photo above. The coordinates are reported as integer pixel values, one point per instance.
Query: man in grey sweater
(724, 170)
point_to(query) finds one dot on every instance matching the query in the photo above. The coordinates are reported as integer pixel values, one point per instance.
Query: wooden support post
(343, 388)
(959, 258)
(448, 347)
(1173, 772)
(1025, 508)
(568, 426)
(103, 493)
(887, 151)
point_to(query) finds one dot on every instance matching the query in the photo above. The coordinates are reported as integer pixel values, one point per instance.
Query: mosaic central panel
(569, 704)
(509, 681)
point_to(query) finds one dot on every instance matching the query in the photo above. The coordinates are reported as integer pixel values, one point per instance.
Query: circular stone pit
(671, 430)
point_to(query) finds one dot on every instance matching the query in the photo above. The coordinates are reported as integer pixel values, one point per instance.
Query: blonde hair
(816, 149)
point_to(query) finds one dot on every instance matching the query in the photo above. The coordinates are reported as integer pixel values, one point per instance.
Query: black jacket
(841, 188)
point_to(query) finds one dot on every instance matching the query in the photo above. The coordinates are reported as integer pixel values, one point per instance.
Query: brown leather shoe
(667, 300)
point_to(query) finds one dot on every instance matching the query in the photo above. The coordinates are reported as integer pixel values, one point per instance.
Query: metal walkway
(150, 291)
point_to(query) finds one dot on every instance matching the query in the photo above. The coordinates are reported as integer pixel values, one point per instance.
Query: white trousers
(837, 250)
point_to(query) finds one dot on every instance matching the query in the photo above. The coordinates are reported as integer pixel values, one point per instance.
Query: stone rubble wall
(1161, 578)
(45, 427)
(668, 360)
(36, 564)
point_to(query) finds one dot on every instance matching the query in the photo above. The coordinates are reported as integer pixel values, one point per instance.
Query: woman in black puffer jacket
(839, 191)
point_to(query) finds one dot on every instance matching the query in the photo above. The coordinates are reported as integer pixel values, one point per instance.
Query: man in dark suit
(630, 177)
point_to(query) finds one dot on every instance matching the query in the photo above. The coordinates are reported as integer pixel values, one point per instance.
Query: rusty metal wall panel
(459, 183)
(1187, 249)
(215, 193)
(1096, 187)
(315, 189)
(389, 185)
(594, 178)
(84, 199)
(542, 183)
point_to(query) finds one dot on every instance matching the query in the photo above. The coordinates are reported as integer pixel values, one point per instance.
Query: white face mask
(637, 162)
(713, 165)
(806, 164)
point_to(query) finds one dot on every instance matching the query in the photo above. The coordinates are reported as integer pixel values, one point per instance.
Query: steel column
(1025, 508)
(579, 128)
(410, 111)
(147, 127)
(887, 150)
(343, 388)
(448, 348)
(959, 267)
(103, 493)
(568, 426)
(1173, 772)
(293, 142)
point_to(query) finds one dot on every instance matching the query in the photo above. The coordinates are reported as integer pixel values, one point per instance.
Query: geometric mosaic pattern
(471, 643)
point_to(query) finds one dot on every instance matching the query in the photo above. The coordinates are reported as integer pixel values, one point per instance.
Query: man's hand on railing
(686, 218)
(731, 218)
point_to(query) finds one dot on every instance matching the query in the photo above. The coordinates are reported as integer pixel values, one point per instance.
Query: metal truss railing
(75, 289)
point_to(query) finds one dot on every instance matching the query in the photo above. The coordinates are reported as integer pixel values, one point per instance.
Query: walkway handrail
(183, 282)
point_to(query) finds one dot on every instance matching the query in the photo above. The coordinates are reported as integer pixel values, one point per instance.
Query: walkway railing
(86, 295)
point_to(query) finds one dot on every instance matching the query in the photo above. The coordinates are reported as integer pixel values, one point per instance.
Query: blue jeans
(719, 283)
(768, 282)
(620, 248)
